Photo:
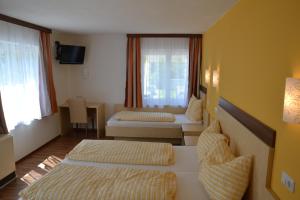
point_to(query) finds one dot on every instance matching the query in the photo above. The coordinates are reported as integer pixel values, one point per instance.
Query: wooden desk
(98, 108)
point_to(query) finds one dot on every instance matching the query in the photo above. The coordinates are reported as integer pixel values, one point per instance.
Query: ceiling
(119, 16)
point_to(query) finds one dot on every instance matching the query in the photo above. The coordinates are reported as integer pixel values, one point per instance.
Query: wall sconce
(215, 78)
(291, 109)
(207, 76)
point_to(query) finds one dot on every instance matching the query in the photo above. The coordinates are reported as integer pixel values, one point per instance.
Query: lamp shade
(291, 110)
(215, 78)
(207, 76)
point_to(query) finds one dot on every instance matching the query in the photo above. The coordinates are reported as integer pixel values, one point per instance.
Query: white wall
(101, 78)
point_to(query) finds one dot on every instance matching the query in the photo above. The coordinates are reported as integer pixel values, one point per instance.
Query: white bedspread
(179, 120)
(186, 169)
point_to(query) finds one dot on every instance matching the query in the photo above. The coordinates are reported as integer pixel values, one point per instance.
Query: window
(164, 63)
(20, 62)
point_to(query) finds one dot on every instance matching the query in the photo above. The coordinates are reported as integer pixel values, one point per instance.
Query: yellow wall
(255, 46)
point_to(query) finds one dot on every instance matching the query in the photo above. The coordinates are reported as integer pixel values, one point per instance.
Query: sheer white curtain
(164, 63)
(21, 67)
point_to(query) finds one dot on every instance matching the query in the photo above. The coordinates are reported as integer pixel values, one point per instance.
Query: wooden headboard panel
(248, 136)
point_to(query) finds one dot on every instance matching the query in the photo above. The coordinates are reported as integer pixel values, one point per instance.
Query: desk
(97, 108)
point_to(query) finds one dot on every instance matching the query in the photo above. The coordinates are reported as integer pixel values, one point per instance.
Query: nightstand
(192, 129)
(191, 133)
(190, 140)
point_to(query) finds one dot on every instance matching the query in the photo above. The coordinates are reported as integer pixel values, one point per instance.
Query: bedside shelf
(191, 140)
(192, 129)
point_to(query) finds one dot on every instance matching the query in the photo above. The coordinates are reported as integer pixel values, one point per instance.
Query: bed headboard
(248, 136)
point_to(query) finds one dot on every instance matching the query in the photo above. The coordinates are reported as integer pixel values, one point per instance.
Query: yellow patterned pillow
(219, 153)
(228, 180)
(214, 127)
(207, 141)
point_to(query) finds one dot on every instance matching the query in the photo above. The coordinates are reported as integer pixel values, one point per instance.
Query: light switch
(287, 181)
(85, 73)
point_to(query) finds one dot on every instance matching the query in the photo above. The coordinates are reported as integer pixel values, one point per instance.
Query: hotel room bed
(185, 161)
(186, 169)
(179, 120)
(247, 137)
(170, 132)
(157, 131)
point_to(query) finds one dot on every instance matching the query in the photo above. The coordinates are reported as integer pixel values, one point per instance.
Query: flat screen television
(69, 54)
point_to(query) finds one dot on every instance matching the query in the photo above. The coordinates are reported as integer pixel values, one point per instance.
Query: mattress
(179, 120)
(186, 169)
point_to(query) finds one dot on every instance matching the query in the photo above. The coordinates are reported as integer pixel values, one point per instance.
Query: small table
(191, 140)
(192, 129)
(191, 133)
(97, 108)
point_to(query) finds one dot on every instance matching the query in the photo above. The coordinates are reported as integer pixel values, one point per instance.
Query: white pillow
(194, 110)
(192, 99)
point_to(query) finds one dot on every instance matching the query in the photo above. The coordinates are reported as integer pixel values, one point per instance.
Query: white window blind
(20, 62)
(164, 63)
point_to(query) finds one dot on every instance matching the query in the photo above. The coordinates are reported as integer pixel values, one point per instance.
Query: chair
(78, 112)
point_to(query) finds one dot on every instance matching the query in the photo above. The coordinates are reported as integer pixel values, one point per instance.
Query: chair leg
(93, 121)
(86, 129)
(77, 129)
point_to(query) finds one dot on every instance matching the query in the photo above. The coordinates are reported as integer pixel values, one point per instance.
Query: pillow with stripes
(228, 180)
(207, 141)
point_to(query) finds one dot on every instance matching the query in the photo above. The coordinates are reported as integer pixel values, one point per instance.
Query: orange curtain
(195, 56)
(3, 128)
(46, 47)
(133, 90)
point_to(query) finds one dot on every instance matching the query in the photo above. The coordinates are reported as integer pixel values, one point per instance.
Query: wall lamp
(215, 78)
(207, 76)
(291, 108)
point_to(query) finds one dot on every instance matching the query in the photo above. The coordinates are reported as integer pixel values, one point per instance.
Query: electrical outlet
(287, 181)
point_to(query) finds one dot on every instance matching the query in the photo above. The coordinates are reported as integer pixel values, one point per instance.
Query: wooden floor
(39, 162)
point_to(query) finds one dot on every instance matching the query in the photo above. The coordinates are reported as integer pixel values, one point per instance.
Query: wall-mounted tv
(69, 54)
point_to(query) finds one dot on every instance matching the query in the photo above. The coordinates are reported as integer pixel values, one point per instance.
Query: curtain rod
(163, 35)
(24, 23)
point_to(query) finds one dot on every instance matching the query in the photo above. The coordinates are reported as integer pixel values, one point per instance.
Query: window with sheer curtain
(164, 63)
(21, 75)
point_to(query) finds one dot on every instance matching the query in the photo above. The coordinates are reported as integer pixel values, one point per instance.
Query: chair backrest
(78, 111)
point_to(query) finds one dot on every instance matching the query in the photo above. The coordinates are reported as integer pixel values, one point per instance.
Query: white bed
(170, 132)
(186, 169)
(179, 120)
(152, 131)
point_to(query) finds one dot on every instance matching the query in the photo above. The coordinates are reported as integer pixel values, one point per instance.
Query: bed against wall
(159, 131)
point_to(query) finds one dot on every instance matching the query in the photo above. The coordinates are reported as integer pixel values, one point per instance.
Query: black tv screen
(70, 54)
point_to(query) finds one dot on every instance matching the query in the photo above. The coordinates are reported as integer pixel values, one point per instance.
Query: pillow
(207, 141)
(228, 180)
(192, 99)
(219, 153)
(214, 127)
(194, 110)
